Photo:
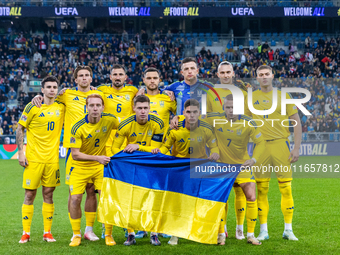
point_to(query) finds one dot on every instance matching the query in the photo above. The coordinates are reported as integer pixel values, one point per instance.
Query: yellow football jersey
(118, 102)
(148, 136)
(162, 106)
(43, 126)
(272, 128)
(214, 105)
(190, 143)
(233, 137)
(75, 102)
(91, 138)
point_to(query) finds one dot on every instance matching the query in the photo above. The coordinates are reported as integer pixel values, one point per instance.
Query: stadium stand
(59, 54)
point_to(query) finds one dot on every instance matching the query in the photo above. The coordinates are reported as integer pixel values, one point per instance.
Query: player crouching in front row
(41, 162)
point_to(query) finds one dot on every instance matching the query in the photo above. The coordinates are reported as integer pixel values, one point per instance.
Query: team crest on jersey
(199, 93)
(239, 131)
(57, 113)
(28, 182)
(116, 135)
(104, 129)
(199, 139)
(161, 103)
(127, 97)
(23, 118)
(149, 133)
(73, 140)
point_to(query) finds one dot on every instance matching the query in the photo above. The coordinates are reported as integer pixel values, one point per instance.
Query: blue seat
(214, 34)
(274, 34)
(301, 34)
(209, 43)
(269, 34)
(194, 35)
(288, 35)
(286, 42)
(294, 34)
(202, 39)
(200, 35)
(320, 34)
(187, 35)
(307, 34)
(181, 35)
(215, 39)
(314, 34)
(273, 43)
(251, 42)
(207, 35)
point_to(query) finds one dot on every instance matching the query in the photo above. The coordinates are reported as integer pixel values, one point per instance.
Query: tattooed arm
(20, 141)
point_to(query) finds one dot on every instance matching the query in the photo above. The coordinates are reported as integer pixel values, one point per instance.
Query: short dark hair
(150, 69)
(49, 78)
(191, 102)
(189, 59)
(141, 99)
(117, 66)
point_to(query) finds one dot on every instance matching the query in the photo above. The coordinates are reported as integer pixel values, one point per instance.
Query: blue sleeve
(171, 87)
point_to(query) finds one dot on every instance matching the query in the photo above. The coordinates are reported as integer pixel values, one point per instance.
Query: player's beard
(118, 84)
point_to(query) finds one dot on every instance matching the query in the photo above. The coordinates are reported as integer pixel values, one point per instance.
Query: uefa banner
(175, 12)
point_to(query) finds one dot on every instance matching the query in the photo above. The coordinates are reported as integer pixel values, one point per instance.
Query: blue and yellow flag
(159, 193)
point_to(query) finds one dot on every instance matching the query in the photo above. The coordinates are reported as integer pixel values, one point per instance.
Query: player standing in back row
(278, 152)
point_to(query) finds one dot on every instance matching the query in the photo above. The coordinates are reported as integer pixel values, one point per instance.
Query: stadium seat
(286, 42)
(320, 34)
(200, 35)
(288, 35)
(194, 35)
(273, 43)
(187, 35)
(207, 35)
(251, 42)
(214, 34)
(215, 39)
(209, 42)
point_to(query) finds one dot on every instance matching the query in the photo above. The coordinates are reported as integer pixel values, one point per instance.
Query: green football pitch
(316, 221)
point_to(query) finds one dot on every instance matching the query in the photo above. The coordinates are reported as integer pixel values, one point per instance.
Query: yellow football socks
(27, 215)
(262, 201)
(287, 203)
(75, 223)
(90, 218)
(47, 212)
(240, 205)
(108, 229)
(251, 216)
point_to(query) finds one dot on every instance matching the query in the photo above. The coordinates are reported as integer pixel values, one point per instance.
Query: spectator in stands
(12, 96)
(15, 83)
(37, 57)
(265, 47)
(5, 128)
(125, 37)
(230, 51)
(3, 108)
(145, 37)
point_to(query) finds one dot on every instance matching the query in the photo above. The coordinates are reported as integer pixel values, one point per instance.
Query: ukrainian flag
(157, 193)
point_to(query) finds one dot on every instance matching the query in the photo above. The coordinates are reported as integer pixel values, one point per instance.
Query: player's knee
(90, 191)
(75, 200)
(263, 188)
(30, 196)
(251, 197)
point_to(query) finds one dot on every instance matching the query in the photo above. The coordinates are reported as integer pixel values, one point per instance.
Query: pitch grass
(316, 221)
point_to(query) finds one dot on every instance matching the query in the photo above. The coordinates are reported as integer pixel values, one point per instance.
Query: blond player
(278, 154)
(88, 141)
(41, 161)
(75, 102)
